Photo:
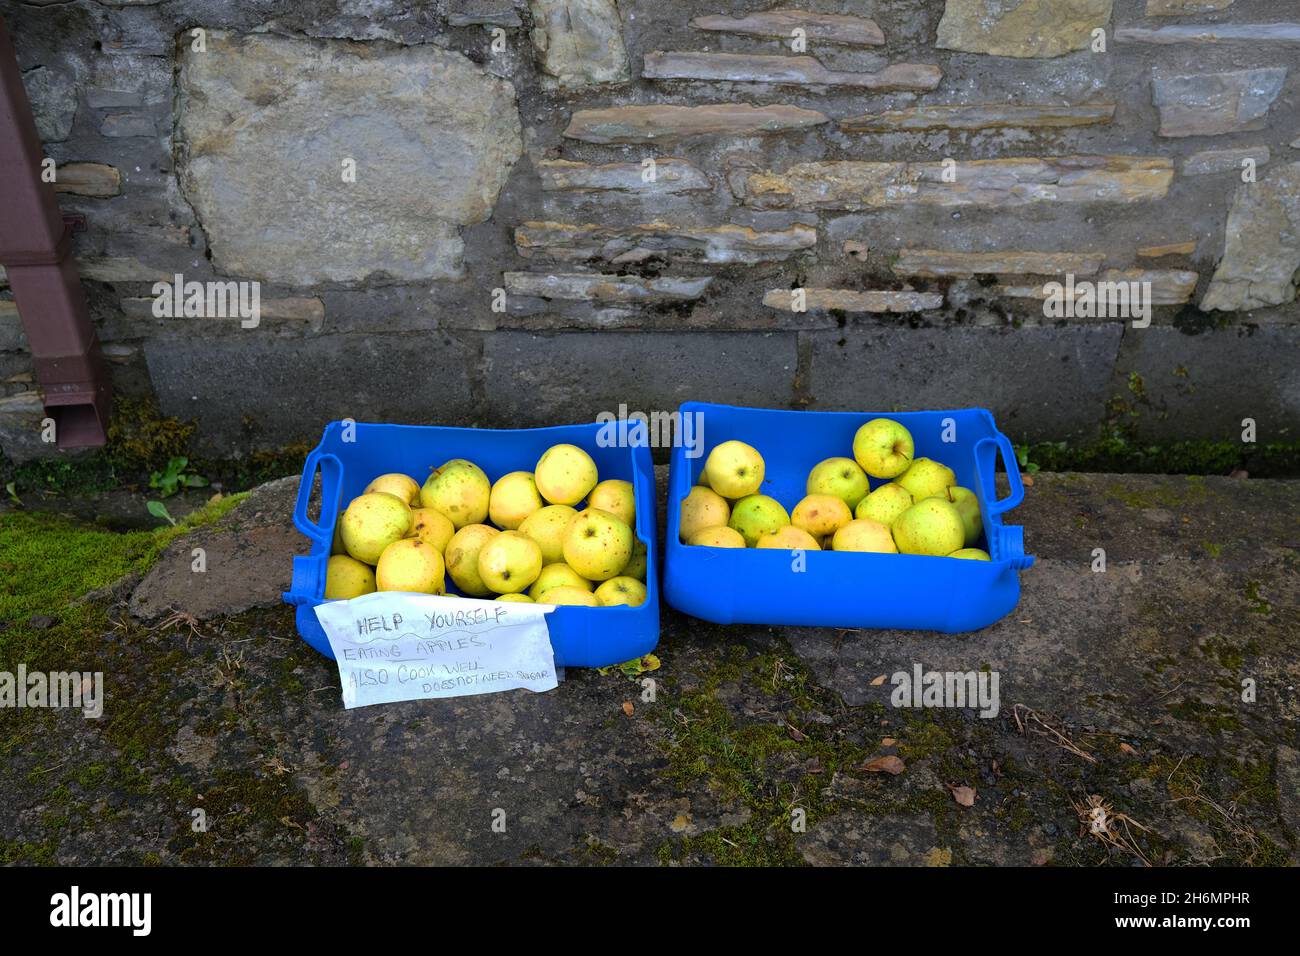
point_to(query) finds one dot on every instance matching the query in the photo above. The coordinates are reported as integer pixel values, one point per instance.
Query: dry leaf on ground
(965, 796)
(887, 764)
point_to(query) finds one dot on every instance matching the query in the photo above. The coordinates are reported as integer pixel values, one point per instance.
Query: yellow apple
(509, 562)
(567, 595)
(717, 538)
(373, 522)
(397, 485)
(883, 447)
(884, 504)
(565, 474)
(346, 577)
(789, 538)
(971, 554)
(411, 565)
(734, 469)
(557, 575)
(617, 497)
(636, 565)
(968, 506)
(931, 526)
(513, 498)
(597, 545)
(459, 489)
(432, 527)
(926, 478)
(515, 598)
(703, 508)
(621, 590)
(546, 527)
(840, 477)
(754, 515)
(462, 558)
(336, 545)
(821, 515)
(864, 534)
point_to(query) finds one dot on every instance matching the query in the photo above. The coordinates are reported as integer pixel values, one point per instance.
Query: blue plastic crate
(582, 637)
(846, 589)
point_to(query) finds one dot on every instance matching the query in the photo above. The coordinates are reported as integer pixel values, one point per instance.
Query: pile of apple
(399, 535)
(922, 510)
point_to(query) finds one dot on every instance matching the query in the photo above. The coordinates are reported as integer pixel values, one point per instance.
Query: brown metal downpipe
(35, 249)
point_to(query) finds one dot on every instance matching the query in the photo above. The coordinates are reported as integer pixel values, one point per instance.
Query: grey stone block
(1202, 386)
(260, 391)
(1041, 382)
(540, 379)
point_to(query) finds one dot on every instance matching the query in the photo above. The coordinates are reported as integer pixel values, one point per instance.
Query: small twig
(1044, 729)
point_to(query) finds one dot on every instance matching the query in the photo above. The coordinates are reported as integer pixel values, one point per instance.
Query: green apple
(566, 595)
(789, 538)
(597, 545)
(621, 590)
(931, 526)
(546, 527)
(513, 498)
(840, 477)
(821, 515)
(864, 534)
(462, 558)
(703, 508)
(337, 546)
(971, 554)
(968, 506)
(885, 503)
(346, 577)
(717, 538)
(509, 562)
(926, 478)
(373, 522)
(565, 474)
(883, 448)
(432, 526)
(617, 497)
(411, 565)
(636, 565)
(557, 575)
(397, 485)
(459, 489)
(754, 515)
(734, 469)
(515, 598)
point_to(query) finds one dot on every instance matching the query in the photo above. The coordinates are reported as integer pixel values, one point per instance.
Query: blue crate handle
(986, 464)
(1010, 545)
(331, 479)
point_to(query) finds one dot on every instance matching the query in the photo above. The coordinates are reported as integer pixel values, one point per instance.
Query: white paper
(394, 646)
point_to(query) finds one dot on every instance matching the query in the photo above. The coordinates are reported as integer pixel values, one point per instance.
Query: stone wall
(561, 206)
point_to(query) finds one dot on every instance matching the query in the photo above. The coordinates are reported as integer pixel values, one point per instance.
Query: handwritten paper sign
(394, 646)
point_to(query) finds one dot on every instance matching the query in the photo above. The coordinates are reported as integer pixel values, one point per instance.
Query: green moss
(1217, 720)
(1119, 451)
(23, 852)
(1174, 494)
(49, 561)
(1228, 656)
(1257, 604)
